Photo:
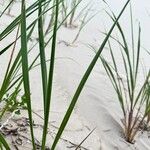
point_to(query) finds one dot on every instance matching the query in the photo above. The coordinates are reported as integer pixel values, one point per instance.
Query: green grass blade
(138, 53)
(6, 8)
(132, 35)
(126, 50)
(142, 88)
(50, 77)
(83, 81)
(85, 139)
(42, 53)
(4, 143)
(6, 48)
(25, 69)
(113, 80)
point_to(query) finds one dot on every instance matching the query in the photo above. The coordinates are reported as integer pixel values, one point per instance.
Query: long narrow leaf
(4, 143)
(83, 81)
(42, 53)
(25, 69)
(50, 78)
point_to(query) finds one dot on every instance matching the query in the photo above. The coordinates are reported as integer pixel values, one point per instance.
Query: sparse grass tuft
(131, 97)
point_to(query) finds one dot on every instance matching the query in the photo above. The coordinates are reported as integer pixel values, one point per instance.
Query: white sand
(97, 106)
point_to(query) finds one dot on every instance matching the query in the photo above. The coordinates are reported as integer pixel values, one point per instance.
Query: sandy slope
(97, 106)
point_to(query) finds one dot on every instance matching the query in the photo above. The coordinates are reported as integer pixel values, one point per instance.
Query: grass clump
(65, 7)
(132, 97)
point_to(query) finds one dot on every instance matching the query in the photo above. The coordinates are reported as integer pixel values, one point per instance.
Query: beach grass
(14, 80)
(131, 97)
